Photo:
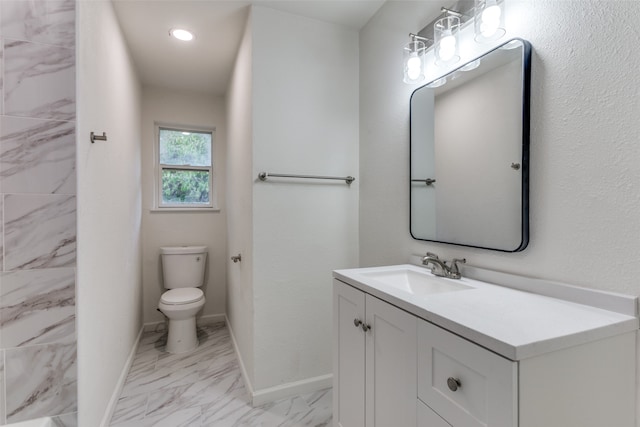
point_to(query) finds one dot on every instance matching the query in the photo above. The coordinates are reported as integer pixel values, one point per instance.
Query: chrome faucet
(440, 268)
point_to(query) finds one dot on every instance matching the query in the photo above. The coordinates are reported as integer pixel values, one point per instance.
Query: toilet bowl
(183, 272)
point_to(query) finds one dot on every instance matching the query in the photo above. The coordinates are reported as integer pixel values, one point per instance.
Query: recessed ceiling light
(181, 34)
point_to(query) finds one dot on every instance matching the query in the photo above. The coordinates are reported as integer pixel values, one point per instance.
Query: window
(185, 171)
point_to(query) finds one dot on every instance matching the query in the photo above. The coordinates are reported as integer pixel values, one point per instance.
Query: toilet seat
(182, 296)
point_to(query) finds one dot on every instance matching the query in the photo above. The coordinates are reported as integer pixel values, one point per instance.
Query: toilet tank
(183, 266)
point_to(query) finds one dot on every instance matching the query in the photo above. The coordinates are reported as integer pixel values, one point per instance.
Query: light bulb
(413, 62)
(414, 66)
(447, 48)
(491, 13)
(490, 20)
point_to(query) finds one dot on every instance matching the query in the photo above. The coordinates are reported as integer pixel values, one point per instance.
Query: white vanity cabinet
(400, 368)
(588, 385)
(375, 361)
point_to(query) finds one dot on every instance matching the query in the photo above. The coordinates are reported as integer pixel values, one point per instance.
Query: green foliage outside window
(191, 150)
(185, 186)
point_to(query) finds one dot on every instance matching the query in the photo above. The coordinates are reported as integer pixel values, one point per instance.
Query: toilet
(183, 273)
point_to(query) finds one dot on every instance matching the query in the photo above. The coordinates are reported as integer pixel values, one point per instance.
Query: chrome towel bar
(427, 181)
(264, 175)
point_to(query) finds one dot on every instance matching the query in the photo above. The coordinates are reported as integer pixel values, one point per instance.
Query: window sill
(181, 210)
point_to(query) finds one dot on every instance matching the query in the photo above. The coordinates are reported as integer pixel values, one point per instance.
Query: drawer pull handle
(453, 383)
(357, 322)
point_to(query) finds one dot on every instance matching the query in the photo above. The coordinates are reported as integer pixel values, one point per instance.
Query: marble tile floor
(205, 388)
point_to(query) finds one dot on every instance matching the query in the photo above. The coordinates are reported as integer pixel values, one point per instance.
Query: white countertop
(512, 323)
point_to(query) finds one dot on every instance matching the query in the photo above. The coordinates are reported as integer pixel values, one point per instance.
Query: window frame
(160, 167)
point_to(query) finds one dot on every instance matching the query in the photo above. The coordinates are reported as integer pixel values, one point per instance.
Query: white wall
(585, 157)
(305, 121)
(240, 203)
(284, 118)
(182, 228)
(109, 266)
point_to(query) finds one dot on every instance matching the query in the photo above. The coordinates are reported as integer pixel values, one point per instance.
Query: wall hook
(93, 137)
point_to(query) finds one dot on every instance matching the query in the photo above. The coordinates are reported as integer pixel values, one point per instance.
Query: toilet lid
(182, 296)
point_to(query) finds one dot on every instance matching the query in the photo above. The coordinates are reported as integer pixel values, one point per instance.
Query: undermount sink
(414, 282)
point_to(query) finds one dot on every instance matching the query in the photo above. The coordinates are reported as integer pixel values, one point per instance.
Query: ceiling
(205, 64)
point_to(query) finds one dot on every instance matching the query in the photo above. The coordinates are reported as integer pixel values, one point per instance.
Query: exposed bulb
(414, 66)
(490, 20)
(447, 48)
(413, 62)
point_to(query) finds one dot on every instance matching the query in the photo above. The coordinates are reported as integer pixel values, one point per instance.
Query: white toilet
(183, 273)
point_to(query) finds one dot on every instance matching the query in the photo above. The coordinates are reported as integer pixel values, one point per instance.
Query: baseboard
(236, 349)
(282, 391)
(260, 397)
(111, 406)
(154, 326)
(210, 319)
(200, 321)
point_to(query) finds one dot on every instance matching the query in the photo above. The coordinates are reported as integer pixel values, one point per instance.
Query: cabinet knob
(453, 383)
(366, 327)
(357, 322)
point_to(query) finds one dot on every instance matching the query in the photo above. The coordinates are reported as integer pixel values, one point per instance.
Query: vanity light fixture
(488, 19)
(414, 60)
(181, 34)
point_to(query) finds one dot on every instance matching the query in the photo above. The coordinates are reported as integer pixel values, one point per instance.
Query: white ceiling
(205, 64)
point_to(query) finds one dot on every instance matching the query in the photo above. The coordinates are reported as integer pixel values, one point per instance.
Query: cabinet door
(428, 418)
(348, 356)
(391, 385)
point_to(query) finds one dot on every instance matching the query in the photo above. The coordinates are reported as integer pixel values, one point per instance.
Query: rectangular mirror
(470, 153)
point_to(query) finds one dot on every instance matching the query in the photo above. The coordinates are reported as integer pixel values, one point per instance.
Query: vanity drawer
(464, 383)
(428, 418)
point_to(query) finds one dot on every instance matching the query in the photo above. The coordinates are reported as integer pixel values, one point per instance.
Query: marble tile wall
(38, 367)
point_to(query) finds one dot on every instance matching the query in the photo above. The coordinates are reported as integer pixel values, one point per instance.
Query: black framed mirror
(469, 163)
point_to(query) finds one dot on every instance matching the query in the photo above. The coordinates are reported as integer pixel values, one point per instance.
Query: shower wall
(37, 211)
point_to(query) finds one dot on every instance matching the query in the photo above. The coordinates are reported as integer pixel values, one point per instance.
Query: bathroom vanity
(413, 349)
